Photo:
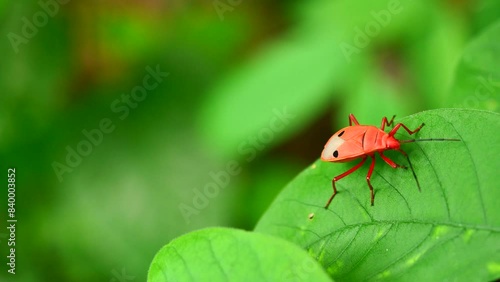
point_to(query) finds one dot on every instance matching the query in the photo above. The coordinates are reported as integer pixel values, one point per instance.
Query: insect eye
(335, 154)
(340, 134)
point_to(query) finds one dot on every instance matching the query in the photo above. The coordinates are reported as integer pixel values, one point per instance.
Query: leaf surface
(223, 254)
(450, 230)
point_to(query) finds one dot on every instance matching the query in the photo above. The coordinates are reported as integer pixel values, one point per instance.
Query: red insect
(363, 141)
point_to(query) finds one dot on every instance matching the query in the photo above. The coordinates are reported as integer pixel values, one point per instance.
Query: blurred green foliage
(115, 209)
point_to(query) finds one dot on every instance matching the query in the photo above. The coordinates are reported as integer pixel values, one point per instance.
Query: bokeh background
(234, 68)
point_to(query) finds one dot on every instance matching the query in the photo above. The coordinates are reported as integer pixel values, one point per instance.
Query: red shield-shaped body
(353, 142)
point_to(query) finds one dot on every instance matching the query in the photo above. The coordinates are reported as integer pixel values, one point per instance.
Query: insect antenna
(411, 167)
(420, 140)
(427, 139)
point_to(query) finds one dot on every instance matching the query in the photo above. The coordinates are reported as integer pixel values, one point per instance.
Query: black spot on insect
(340, 134)
(335, 154)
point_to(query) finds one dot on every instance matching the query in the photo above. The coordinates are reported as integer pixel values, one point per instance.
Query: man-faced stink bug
(363, 141)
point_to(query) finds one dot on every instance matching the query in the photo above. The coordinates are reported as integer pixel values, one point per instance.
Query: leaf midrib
(450, 224)
(393, 223)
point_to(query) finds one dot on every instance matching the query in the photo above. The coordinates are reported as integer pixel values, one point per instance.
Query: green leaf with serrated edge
(477, 79)
(448, 231)
(223, 254)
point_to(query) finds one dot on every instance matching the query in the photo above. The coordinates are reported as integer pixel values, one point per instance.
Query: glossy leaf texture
(448, 231)
(223, 254)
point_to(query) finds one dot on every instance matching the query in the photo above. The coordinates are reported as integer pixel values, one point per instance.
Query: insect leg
(391, 162)
(369, 175)
(411, 167)
(396, 128)
(337, 178)
(352, 120)
(388, 123)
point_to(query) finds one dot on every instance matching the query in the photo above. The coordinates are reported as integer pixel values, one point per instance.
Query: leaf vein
(217, 260)
(346, 247)
(183, 262)
(439, 181)
(480, 193)
(403, 256)
(397, 191)
(363, 258)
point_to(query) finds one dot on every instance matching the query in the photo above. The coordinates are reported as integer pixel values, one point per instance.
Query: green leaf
(448, 231)
(485, 13)
(223, 254)
(477, 80)
(433, 57)
(280, 78)
(374, 89)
